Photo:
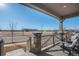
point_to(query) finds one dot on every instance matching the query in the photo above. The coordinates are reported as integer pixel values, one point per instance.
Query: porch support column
(37, 43)
(61, 29)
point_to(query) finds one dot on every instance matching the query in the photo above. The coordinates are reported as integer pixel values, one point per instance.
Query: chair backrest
(75, 39)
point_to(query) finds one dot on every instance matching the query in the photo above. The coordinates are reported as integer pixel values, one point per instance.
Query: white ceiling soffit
(58, 10)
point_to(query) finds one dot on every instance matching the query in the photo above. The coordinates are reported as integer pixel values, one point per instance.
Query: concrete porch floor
(54, 51)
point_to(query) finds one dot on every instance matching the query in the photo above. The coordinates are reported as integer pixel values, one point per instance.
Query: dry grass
(15, 33)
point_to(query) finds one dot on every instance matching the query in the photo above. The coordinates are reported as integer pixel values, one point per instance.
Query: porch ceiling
(58, 10)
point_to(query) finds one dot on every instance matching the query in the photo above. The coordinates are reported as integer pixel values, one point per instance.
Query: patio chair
(72, 45)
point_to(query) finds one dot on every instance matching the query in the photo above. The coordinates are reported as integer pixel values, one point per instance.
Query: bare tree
(22, 30)
(0, 28)
(12, 28)
(0, 31)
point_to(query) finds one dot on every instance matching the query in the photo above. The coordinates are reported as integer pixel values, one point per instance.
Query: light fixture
(64, 6)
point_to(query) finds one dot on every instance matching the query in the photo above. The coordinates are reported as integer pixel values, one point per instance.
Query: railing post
(1, 48)
(53, 39)
(66, 36)
(37, 43)
(29, 44)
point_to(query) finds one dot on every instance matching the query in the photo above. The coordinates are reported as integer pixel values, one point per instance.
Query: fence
(49, 39)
